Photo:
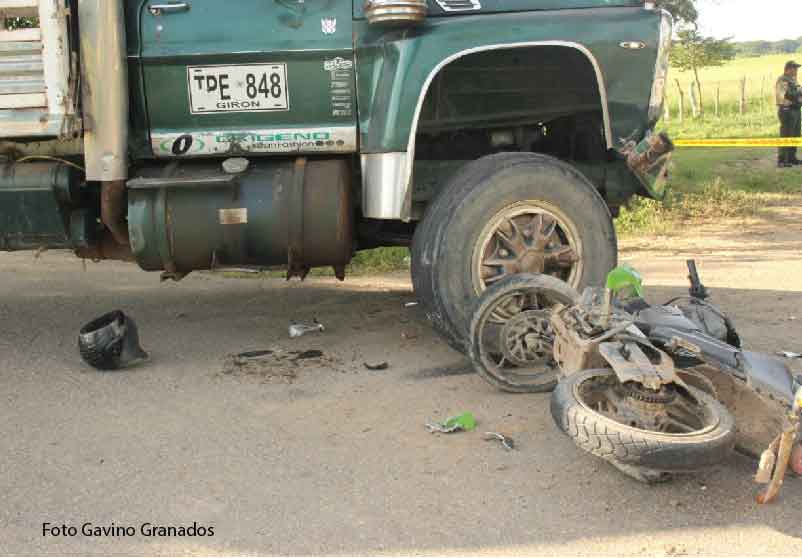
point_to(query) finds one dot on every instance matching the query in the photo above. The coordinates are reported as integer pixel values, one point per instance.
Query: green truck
(493, 137)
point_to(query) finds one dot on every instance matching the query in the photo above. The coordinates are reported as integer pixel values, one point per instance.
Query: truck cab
(492, 137)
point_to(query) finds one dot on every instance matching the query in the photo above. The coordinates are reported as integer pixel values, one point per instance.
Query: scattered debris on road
(378, 366)
(506, 442)
(410, 304)
(299, 329)
(307, 354)
(255, 354)
(110, 342)
(789, 354)
(275, 365)
(465, 421)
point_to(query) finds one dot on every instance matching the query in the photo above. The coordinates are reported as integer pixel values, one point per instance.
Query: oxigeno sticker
(337, 139)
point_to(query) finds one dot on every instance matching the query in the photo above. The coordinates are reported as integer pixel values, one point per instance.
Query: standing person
(789, 102)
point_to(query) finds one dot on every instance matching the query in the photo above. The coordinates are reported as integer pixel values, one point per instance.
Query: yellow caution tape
(751, 142)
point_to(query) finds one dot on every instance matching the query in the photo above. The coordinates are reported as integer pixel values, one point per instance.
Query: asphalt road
(320, 455)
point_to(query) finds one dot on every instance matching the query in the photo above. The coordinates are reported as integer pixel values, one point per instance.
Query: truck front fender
(396, 68)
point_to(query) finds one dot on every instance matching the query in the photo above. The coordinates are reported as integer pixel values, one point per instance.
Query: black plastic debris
(110, 342)
(255, 354)
(308, 354)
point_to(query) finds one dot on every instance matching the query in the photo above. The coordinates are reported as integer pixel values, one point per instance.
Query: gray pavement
(322, 456)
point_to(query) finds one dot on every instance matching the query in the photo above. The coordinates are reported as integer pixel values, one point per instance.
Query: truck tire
(633, 447)
(501, 215)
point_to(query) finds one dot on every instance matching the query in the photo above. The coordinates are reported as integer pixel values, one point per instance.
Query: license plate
(239, 88)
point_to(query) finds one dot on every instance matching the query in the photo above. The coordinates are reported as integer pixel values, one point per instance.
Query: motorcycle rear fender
(768, 376)
(631, 364)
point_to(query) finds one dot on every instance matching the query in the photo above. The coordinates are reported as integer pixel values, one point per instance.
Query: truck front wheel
(501, 215)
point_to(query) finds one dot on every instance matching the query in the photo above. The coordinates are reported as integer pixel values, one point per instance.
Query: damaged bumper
(650, 161)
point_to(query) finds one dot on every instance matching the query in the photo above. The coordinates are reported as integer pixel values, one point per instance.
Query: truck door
(248, 76)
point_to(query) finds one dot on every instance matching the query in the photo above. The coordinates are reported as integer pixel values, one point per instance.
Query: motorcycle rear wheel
(581, 411)
(512, 342)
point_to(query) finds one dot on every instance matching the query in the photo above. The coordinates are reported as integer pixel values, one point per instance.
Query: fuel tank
(195, 215)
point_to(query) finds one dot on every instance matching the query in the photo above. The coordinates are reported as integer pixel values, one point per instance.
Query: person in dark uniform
(789, 103)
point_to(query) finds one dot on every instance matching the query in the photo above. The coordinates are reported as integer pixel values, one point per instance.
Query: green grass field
(759, 119)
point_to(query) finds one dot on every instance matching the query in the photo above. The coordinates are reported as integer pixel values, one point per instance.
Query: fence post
(718, 99)
(694, 101)
(681, 102)
(742, 102)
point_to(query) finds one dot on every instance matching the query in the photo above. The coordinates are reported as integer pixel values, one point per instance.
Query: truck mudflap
(650, 161)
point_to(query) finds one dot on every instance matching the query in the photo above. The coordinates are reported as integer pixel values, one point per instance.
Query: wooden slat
(16, 123)
(20, 49)
(22, 86)
(25, 100)
(19, 8)
(7, 4)
(19, 12)
(21, 67)
(21, 35)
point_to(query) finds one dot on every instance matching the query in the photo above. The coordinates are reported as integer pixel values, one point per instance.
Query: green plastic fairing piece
(624, 280)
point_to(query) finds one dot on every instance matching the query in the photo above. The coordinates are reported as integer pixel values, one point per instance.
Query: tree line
(762, 48)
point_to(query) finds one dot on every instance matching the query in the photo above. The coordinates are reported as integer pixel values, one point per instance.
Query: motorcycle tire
(630, 447)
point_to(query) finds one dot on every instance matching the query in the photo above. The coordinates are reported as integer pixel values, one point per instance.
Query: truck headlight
(395, 11)
(661, 67)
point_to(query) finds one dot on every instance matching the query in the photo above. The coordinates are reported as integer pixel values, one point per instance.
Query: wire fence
(747, 95)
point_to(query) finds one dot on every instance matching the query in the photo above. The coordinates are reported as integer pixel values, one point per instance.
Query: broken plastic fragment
(297, 330)
(507, 442)
(377, 366)
(625, 282)
(796, 460)
(465, 421)
(255, 354)
(314, 353)
(788, 354)
(766, 467)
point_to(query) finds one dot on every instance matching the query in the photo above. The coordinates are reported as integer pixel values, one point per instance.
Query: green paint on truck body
(382, 70)
(393, 67)
(179, 55)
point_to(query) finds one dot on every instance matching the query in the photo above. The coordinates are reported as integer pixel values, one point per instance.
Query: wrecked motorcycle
(652, 389)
